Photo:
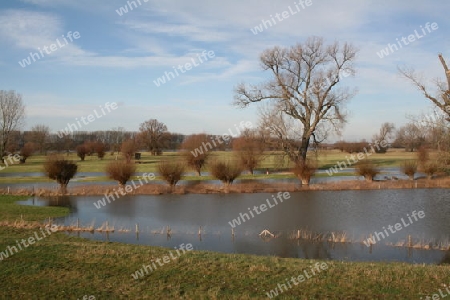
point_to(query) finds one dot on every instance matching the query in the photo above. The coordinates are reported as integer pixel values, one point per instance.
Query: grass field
(148, 164)
(63, 267)
(326, 159)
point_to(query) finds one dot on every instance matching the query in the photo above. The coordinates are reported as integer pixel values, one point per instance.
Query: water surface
(357, 213)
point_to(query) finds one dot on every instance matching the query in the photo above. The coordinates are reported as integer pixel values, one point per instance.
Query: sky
(69, 59)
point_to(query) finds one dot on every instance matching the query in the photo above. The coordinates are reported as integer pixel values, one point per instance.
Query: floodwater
(355, 213)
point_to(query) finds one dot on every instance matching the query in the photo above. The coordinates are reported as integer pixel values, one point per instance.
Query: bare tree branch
(304, 87)
(154, 135)
(442, 99)
(12, 115)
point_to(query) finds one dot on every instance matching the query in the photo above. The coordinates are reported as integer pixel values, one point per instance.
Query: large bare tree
(12, 115)
(411, 136)
(441, 95)
(280, 133)
(304, 87)
(153, 134)
(383, 137)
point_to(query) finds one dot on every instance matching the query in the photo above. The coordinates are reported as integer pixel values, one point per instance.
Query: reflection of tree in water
(266, 238)
(60, 200)
(318, 250)
(445, 259)
(309, 249)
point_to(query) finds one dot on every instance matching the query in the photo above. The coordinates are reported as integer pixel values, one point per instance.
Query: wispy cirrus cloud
(192, 32)
(29, 29)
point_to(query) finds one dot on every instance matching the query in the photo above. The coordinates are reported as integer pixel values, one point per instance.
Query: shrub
(171, 171)
(304, 170)
(90, 147)
(195, 162)
(120, 171)
(82, 150)
(226, 172)
(380, 149)
(430, 169)
(61, 170)
(100, 149)
(354, 147)
(128, 149)
(443, 160)
(26, 151)
(249, 151)
(367, 169)
(423, 155)
(194, 153)
(409, 168)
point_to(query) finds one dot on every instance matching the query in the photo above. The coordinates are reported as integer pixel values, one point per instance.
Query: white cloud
(28, 29)
(32, 31)
(192, 31)
(161, 34)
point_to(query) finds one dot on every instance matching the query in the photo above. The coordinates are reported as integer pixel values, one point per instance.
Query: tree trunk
(447, 71)
(301, 159)
(369, 178)
(226, 187)
(303, 151)
(63, 188)
(305, 181)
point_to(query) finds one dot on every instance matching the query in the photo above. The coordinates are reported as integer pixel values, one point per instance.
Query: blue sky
(118, 58)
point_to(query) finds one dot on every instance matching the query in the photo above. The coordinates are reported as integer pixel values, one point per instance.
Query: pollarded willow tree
(120, 171)
(61, 170)
(304, 89)
(249, 149)
(194, 153)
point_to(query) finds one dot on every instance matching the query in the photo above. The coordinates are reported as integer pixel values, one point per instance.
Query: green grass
(63, 267)
(326, 159)
(149, 163)
(93, 164)
(11, 211)
(393, 157)
(27, 179)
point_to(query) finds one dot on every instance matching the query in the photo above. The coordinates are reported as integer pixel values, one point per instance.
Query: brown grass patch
(247, 187)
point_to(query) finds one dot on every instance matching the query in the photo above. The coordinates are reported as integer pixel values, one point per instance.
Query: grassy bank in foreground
(63, 267)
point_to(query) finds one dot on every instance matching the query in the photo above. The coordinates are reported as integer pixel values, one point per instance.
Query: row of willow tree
(247, 155)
